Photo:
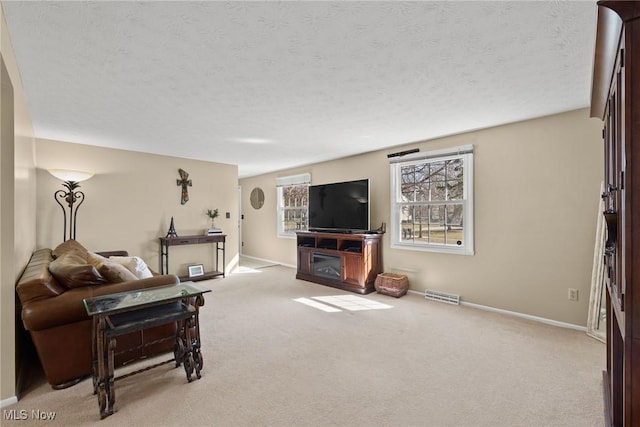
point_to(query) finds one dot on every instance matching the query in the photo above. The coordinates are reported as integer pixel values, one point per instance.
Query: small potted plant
(212, 214)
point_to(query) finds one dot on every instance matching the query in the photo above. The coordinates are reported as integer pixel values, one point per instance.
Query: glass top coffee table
(125, 312)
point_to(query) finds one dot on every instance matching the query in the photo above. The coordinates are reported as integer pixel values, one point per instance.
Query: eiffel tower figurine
(172, 230)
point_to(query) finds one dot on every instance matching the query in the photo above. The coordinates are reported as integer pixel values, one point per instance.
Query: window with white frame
(432, 201)
(293, 204)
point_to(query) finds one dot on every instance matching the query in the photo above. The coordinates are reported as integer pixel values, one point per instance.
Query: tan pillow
(112, 271)
(96, 259)
(72, 270)
(116, 273)
(68, 247)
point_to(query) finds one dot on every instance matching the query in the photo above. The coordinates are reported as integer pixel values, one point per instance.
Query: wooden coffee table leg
(179, 347)
(111, 391)
(188, 351)
(196, 345)
(94, 354)
(102, 400)
(100, 355)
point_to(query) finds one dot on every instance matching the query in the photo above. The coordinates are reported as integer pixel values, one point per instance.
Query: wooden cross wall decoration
(185, 182)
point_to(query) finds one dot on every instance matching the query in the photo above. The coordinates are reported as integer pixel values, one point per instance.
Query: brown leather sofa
(51, 291)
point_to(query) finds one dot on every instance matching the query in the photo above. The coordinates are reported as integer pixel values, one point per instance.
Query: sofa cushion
(110, 270)
(134, 264)
(72, 270)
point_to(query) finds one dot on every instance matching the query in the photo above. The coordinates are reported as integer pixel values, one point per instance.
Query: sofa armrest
(69, 307)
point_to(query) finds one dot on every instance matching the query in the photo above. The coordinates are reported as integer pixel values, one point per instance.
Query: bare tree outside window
(294, 202)
(431, 205)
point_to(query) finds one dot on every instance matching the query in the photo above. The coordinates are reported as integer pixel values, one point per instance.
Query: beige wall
(131, 198)
(537, 186)
(17, 209)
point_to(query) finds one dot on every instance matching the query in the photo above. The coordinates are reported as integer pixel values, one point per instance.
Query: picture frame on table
(196, 270)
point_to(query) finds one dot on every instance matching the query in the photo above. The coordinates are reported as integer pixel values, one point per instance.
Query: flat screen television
(339, 207)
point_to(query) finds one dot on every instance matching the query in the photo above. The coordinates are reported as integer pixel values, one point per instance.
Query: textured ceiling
(272, 85)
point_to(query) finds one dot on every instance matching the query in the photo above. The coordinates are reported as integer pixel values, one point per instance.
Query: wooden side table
(118, 314)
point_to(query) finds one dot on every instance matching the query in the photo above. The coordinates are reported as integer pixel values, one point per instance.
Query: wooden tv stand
(345, 261)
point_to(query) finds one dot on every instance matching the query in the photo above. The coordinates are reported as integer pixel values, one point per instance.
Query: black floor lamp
(73, 198)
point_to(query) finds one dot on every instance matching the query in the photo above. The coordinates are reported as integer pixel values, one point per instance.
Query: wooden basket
(395, 285)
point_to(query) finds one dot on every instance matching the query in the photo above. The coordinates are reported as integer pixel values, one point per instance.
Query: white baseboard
(269, 261)
(9, 401)
(516, 314)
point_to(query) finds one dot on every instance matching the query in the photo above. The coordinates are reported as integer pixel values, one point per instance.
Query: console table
(217, 239)
(124, 312)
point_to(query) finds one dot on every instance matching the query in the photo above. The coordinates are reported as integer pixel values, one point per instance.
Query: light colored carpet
(272, 361)
(254, 263)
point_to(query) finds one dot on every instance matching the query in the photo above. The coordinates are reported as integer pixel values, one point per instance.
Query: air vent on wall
(442, 297)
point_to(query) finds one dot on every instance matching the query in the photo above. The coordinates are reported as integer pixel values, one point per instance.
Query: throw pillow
(134, 264)
(116, 273)
(67, 247)
(111, 270)
(96, 259)
(73, 271)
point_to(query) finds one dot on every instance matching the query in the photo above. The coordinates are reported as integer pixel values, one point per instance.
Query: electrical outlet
(573, 294)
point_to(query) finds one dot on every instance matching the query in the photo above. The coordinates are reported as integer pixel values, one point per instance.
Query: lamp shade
(70, 175)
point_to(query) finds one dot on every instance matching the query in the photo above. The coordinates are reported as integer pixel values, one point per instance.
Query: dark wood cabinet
(345, 261)
(304, 261)
(615, 98)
